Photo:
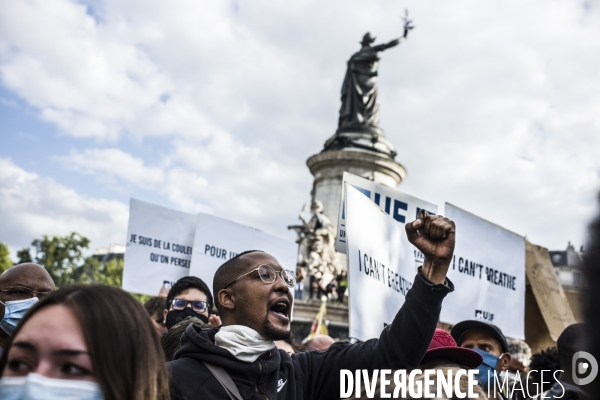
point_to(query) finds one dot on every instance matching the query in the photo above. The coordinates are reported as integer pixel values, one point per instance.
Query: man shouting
(238, 360)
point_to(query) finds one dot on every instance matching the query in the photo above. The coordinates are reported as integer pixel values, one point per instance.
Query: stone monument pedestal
(328, 168)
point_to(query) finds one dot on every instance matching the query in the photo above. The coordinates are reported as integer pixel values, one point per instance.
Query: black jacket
(312, 374)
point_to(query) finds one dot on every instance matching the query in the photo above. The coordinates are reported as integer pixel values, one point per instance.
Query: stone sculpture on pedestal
(316, 241)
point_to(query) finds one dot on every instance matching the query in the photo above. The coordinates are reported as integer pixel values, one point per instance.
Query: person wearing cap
(443, 350)
(489, 341)
(443, 354)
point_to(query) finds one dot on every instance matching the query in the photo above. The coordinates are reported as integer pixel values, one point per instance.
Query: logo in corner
(582, 363)
(280, 385)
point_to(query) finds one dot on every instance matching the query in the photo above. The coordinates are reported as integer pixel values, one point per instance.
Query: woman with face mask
(84, 342)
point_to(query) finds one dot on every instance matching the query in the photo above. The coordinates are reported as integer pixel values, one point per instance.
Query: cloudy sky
(215, 106)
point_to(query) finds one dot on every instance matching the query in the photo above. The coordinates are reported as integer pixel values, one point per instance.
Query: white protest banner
(217, 240)
(381, 266)
(488, 271)
(400, 206)
(159, 247)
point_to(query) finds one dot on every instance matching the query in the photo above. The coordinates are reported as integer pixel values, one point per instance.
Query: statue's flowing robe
(360, 102)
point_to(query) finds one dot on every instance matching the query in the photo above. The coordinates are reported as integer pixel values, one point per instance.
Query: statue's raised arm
(407, 27)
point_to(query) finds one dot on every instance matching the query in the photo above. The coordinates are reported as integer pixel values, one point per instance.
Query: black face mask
(176, 316)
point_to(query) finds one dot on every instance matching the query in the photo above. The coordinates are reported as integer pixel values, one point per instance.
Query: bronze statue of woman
(360, 102)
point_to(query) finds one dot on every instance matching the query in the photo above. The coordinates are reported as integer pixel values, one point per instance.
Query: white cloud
(85, 77)
(33, 206)
(492, 106)
(115, 163)
(220, 177)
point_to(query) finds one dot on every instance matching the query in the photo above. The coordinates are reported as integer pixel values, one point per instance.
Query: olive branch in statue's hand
(407, 23)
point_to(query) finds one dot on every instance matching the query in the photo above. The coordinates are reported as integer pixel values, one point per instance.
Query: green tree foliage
(5, 261)
(24, 256)
(142, 298)
(94, 271)
(112, 273)
(63, 258)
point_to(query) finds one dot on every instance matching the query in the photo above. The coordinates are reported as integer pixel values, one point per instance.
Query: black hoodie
(311, 374)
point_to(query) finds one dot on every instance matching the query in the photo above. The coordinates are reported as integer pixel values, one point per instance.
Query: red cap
(443, 346)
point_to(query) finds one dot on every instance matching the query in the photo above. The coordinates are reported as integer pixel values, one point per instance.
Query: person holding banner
(253, 295)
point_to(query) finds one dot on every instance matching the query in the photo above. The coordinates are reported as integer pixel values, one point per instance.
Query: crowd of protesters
(98, 342)
(334, 290)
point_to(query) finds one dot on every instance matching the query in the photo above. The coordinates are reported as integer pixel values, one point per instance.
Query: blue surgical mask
(487, 368)
(14, 312)
(38, 387)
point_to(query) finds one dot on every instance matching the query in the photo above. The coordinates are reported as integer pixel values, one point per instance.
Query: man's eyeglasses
(197, 305)
(20, 292)
(268, 275)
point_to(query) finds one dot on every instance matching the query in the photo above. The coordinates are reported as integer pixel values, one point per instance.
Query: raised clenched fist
(434, 236)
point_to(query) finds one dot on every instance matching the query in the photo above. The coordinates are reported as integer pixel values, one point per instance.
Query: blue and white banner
(400, 206)
(381, 267)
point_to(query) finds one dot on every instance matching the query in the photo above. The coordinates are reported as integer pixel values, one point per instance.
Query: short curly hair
(544, 360)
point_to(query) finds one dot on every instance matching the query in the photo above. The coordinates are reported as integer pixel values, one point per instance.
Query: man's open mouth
(281, 309)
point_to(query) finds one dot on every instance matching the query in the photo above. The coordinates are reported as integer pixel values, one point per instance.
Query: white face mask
(14, 312)
(38, 387)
